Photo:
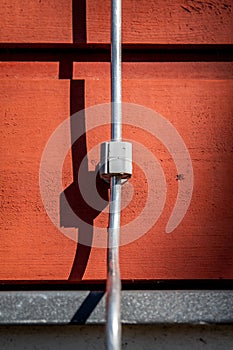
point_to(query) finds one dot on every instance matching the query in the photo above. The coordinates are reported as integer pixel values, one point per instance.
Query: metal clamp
(116, 160)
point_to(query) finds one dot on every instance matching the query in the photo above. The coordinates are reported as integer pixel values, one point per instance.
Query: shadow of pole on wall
(75, 206)
(79, 21)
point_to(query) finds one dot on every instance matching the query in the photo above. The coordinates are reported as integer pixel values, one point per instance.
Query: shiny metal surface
(113, 306)
(116, 83)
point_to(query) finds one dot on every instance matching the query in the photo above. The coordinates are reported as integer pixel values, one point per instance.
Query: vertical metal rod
(113, 307)
(116, 71)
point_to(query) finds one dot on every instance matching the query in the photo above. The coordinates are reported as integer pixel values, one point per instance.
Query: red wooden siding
(151, 21)
(196, 97)
(164, 21)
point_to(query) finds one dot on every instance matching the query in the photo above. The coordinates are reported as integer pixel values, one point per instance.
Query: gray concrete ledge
(138, 307)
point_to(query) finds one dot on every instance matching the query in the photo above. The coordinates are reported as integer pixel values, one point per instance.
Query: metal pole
(116, 71)
(113, 307)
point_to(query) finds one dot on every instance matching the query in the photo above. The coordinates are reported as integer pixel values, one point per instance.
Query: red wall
(191, 86)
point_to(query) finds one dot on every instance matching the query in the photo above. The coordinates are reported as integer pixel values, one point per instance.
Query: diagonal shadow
(87, 307)
(77, 207)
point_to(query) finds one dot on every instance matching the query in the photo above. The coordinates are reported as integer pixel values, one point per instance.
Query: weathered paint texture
(196, 97)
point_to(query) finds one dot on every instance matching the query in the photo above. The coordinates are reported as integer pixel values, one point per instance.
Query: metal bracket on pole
(116, 160)
(115, 166)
